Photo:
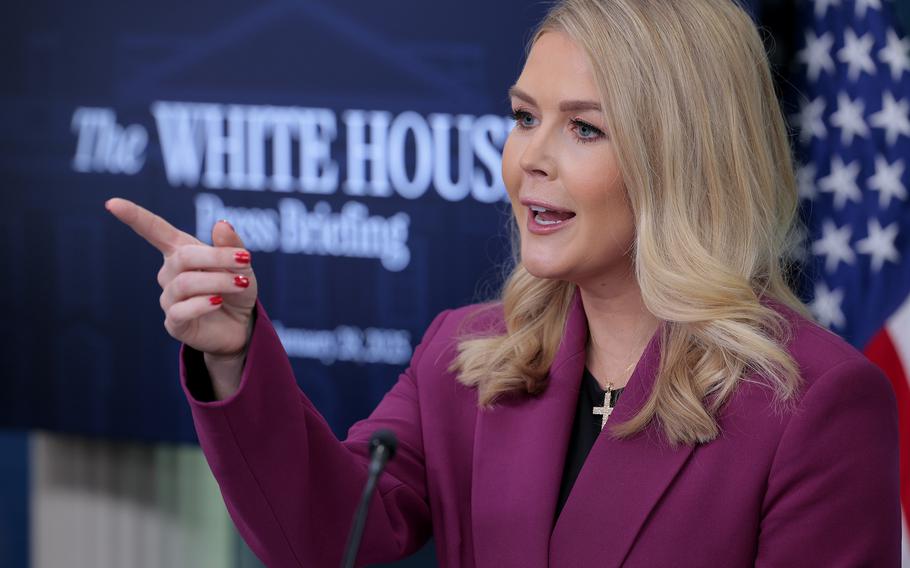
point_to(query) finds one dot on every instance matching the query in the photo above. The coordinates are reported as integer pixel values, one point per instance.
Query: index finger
(158, 232)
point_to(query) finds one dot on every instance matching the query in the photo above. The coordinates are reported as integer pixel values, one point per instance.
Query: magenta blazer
(814, 487)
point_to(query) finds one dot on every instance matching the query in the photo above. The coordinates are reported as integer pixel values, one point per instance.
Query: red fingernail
(242, 281)
(216, 300)
(242, 257)
(226, 222)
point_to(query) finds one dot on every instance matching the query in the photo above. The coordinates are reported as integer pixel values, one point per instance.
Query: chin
(544, 269)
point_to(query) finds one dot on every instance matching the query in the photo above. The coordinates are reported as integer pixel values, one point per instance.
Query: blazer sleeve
(289, 484)
(833, 490)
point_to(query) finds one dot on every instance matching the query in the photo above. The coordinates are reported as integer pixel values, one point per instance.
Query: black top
(585, 430)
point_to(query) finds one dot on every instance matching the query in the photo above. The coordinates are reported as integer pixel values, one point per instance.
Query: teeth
(538, 209)
(544, 222)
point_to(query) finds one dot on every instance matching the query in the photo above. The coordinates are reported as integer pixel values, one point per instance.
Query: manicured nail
(242, 281)
(216, 300)
(226, 222)
(242, 257)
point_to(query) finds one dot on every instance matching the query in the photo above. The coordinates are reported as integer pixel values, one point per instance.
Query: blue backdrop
(354, 145)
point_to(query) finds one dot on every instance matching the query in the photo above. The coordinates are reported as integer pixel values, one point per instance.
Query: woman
(652, 186)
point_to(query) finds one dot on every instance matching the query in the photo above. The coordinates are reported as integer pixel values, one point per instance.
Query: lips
(546, 217)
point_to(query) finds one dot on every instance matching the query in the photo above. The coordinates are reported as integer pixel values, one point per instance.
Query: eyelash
(518, 114)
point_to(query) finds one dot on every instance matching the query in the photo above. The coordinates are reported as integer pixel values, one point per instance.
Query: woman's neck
(619, 328)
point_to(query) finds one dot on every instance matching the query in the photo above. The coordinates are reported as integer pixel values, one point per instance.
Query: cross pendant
(605, 410)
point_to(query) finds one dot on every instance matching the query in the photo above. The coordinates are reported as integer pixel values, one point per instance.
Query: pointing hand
(208, 292)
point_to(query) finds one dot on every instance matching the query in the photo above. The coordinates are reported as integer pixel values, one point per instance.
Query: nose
(537, 158)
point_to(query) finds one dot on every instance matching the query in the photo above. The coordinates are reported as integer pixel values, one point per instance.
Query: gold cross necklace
(607, 408)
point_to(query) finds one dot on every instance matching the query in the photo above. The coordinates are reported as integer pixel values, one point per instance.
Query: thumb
(224, 235)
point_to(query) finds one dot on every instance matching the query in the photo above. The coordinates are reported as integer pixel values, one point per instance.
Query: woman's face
(559, 167)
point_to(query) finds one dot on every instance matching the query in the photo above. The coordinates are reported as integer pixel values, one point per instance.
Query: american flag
(854, 146)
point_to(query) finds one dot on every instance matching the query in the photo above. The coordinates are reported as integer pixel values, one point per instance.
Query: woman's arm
(289, 484)
(833, 491)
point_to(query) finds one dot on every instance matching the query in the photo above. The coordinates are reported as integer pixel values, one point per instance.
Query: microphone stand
(382, 449)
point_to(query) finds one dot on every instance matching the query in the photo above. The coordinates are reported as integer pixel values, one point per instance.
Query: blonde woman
(648, 392)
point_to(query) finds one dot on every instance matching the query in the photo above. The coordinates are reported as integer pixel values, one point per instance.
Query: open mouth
(547, 217)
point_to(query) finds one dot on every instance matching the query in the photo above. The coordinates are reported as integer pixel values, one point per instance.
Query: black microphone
(382, 448)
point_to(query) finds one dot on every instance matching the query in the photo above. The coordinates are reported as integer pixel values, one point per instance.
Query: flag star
(817, 54)
(849, 118)
(896, 54)
(834, 245)
(879, 244)
(810, 120)
(894, 118)
(826, 306)
(842, 182)
(821, 6)
(856, 53)
(887, 181)
(863, 5)
(805, 179)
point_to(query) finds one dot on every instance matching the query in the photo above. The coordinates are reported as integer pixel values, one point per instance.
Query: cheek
(601, 192)
(511, 169)
(619, 233)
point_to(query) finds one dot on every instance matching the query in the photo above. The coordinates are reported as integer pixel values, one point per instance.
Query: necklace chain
(606, 409)
(633, 359)
(627, 370)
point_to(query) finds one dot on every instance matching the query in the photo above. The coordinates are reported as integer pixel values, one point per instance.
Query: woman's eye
(586, 132)
(523, 118)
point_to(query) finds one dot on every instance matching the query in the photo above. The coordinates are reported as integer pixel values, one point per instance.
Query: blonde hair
(704, 153)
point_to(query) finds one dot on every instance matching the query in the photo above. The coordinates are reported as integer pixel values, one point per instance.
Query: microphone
(382, 448)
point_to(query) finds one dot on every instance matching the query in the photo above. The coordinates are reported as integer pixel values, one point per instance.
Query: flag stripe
(884, 353)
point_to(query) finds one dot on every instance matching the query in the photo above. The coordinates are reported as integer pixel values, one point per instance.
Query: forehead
(557, 68)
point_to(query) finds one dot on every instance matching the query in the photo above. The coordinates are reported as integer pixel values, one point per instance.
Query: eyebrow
(564, 106)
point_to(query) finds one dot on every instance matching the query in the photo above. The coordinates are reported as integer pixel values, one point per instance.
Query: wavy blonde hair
(704, 153)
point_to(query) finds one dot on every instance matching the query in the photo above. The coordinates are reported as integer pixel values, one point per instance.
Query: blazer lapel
(619, 484)
(519, 454)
